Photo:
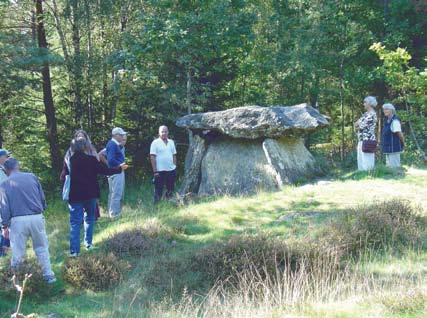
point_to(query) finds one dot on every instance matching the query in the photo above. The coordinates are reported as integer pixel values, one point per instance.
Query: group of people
(22, 201)
(392, 140)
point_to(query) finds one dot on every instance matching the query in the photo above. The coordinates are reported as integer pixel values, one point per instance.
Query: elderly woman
(392, 141)
(366, 126)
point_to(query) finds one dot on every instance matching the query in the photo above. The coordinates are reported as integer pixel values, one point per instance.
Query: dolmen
(246, 149)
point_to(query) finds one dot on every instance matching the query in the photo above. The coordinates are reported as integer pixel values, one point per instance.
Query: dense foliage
(68, 64)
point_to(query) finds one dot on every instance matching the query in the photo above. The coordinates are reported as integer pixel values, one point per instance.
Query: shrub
(136, 241)
(130, 242)
(414, 301)
(389, 224)
(266, 255)
(95, 272)
(36, 286)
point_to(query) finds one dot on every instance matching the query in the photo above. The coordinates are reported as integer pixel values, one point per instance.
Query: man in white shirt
(163, 162)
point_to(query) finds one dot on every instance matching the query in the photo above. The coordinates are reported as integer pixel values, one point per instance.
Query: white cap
(118, 131)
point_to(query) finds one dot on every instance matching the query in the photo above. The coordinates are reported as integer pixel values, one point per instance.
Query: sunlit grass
(294, 212)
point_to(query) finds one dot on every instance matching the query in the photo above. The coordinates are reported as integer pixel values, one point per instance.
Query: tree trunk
(1, 135)
(342, 108)
(353, 133)
(68, 63)
(188, 100)
(88, 104)
(51, 125)
(77, 67)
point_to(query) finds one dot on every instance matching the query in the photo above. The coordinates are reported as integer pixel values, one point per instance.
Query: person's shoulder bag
(67, 183)
(369, 146)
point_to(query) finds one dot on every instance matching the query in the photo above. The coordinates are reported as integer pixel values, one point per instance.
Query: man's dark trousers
(164, 178)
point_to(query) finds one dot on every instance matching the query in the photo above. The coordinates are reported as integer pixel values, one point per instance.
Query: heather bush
(138, 240)
(95, 272)
(392, 224)
(35, 286)
(263, 254)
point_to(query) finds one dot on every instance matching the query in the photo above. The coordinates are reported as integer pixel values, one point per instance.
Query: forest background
(96, 64)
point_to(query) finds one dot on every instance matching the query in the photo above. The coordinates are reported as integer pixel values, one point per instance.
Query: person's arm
(41, 194)
(63, 172)
(103, 169)
(154, 164)
(153, 158)
(402, 139)
(396, 127)
(363, 122)
(102, 156)
(174, 153)
(357, 123)
(4, 208)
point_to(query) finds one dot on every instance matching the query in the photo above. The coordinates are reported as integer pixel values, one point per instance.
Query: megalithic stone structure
(243, 149)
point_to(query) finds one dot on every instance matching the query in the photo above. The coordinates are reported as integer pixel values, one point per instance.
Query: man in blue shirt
(4, 241)
(22, 203)
(4, 155)
(116, 183)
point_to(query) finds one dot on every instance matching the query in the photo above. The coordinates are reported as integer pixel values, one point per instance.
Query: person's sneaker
(90, 247)
(74, 254)
(114, 216)
(50, 279)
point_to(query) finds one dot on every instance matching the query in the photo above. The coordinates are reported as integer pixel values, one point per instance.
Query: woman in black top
(84, 192)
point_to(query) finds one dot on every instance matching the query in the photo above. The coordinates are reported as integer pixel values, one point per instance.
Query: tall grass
(304, 293)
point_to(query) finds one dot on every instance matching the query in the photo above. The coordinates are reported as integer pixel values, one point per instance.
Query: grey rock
(252, 122)
(290, 159)
(193, 161)
(235, 166)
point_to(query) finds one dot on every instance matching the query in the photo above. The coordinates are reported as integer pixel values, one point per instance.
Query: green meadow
(170, 269)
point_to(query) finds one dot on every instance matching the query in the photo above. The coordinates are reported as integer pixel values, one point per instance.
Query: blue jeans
(79, 212)
(4, 242)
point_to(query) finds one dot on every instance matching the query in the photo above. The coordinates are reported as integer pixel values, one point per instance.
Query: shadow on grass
(379, 172)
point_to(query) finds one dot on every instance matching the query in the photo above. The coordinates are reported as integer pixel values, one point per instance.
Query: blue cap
(4, 152)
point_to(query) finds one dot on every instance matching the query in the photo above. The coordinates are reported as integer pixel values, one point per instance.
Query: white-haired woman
(366, 126)
(392, 141)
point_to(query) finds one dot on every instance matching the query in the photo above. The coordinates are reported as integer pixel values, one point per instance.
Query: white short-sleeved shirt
(395, 126)
(164, 153)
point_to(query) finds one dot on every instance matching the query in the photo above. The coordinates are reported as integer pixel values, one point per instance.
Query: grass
(379, 284)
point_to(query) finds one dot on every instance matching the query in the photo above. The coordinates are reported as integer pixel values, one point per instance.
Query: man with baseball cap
(4, 241)
(4, 155)
(116, 183)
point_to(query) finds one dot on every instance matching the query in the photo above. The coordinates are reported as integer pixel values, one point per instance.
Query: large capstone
(252, 122)
(245, 149)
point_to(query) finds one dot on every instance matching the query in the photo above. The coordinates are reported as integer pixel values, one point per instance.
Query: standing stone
(290, 159)
(193, 161)
(234, 166)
